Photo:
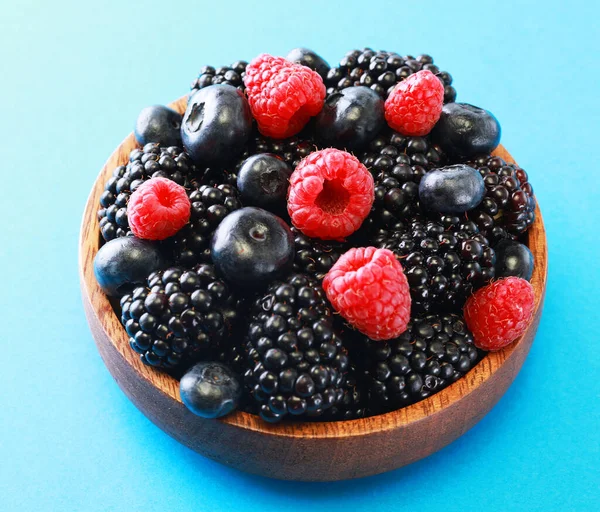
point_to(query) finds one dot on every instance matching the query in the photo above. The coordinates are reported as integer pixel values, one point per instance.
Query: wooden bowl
(301, 451)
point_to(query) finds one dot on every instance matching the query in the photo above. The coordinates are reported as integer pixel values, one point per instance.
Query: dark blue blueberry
(263, 181)
(126, 262)
(252, 247)
(216, 124)
(158, 124)
(452, 189)
(513, 259)
(210, 390)
(309, 59)
(465, 131)
(350, 118)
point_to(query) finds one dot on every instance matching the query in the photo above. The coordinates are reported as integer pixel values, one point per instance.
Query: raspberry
(369, 289)
(330, 194)
(158, 209)
(415, 105)
(282, 95)
(500, 312)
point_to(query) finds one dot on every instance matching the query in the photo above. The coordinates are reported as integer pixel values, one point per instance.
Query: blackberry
(432, 353)
(315, 257)
(398, 163)
(444, 261)
(179, 315)
(354, 403)
(296, 361)
(291, 150)
(210, 205)
(381, 71)
(149, 162)
(508, 208)
(230, 75)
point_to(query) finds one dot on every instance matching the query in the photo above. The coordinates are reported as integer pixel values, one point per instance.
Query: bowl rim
(89, 243)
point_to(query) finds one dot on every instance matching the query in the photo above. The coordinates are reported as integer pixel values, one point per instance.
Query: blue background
(74, 75)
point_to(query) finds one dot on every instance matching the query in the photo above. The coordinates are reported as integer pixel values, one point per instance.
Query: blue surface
(75, 75)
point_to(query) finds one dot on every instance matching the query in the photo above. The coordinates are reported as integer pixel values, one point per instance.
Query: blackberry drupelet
(179, 315)
(398, 163)
(432, 353)
(210, 205)
(381, 71)
(151, 161)
(313, 256)
(444, 261)
(291, 150)
(354, 403)
(296, 361)
(508, 207)
(230, 75)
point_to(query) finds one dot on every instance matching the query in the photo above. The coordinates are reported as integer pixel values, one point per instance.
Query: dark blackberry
(432, 353)
(381, 71)
(444, 261)
(354, 403)
(291, 150)
(179, 315)
(296, 360)
(398, 163)
(149, 162)
(210, 205)
(315, 257)
(230, 75)
(508, 208)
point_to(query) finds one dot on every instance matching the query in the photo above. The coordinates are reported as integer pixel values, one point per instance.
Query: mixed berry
(313, 242)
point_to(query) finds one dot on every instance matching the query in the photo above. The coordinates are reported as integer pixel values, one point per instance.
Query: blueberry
(350, 118)
(210, 390)
(513, 259)
(263, 181)
(252, 246)
(453, 189)
(216, 124)
(126, 262)
(158, 124)
(309, 59)
(465, 131)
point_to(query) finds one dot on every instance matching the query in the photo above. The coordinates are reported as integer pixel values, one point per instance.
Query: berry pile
(317, 244)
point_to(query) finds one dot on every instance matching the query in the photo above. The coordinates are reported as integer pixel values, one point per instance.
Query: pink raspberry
(282, 95)
(330, 194)
(158, 209)
(415, 104)
(369, 289)
(499, 313)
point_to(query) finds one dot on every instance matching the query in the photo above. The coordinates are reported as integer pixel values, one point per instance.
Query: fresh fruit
(252, 246)
(350, 119)
(210, 205)
(309, 59)
(315, 257)
(283, 96)
(292, 150)
(216, 124)
(158, 209)
(444, 261)
(296, 360)
(501, 312)
(263, 181)
(354, 403)
(330, 194)
(465, 131)
(151, 161)
(210, 390)
(229, 75)
(513, 259)
(158, 124)
(367, 286)
(415, 104)
(431, 354)
(125, 262)
(180, 315)
(381, 71)
(508, 208)
(453, 189)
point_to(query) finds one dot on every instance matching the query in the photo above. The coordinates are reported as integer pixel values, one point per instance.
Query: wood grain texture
(303, 451)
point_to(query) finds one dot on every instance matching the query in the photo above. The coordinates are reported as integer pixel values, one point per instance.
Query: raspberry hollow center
(334, 197)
